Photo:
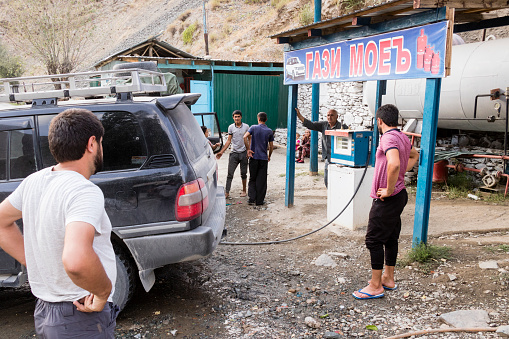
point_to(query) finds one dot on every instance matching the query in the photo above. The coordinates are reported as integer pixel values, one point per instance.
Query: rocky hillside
(238, 29)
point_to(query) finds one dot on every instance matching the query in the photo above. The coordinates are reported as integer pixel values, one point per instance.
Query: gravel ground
(268, 291)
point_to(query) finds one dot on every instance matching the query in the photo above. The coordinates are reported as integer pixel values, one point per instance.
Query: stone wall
(345, 97)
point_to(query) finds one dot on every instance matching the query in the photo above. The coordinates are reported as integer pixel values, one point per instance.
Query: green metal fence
(250, 94)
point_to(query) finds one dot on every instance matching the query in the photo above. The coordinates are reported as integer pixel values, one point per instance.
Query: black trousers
(384, 227)
(257, 186)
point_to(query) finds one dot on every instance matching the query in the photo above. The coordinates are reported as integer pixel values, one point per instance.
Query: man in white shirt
(66, 243)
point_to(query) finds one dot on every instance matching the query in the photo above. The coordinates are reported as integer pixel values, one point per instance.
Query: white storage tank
(476, 68)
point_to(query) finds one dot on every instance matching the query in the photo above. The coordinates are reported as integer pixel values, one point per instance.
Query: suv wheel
(126, 279)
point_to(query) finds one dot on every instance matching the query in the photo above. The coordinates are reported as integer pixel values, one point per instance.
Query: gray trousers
(63, 320)
(233, 161)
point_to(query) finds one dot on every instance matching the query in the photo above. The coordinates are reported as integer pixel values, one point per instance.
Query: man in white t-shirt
(66, 243)
(238, 155)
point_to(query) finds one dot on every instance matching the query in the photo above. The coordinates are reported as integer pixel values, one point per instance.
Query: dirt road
(268, 291)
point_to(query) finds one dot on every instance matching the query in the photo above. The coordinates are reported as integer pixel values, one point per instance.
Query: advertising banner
(411, 53)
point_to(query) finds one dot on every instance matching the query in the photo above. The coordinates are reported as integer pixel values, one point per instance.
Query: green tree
(54, 32)
(10, 66)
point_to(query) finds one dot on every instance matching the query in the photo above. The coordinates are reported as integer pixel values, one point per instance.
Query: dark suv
(159, 178)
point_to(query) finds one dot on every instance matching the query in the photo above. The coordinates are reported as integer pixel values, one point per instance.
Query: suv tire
(126, 279)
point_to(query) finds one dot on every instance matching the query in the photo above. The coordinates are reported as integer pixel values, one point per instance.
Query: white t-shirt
(50, 200)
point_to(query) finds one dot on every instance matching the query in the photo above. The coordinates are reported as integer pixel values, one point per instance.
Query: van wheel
(126, 279)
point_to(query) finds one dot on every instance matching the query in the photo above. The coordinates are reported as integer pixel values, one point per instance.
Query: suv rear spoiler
(172, 101)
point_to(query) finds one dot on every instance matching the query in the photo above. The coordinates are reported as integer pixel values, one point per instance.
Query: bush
(306, 15)
(425, 253)
(279, 4)
(10, 66)
(425, 256)
(187, 35)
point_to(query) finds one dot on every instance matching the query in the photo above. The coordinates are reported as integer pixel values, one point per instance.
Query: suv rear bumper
(153, 251)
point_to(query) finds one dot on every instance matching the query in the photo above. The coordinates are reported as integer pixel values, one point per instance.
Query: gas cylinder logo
(427, 59)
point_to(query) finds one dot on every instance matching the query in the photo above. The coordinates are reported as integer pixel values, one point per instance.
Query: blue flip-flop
(390, 288)
(369, 296)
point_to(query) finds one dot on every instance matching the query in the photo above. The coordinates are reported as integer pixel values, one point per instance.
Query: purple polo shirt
(393, 138)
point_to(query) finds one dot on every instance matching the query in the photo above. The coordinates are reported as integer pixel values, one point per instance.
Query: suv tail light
(192, 200)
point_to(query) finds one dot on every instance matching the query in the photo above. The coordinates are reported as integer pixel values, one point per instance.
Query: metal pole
(318, 10)
(205, 33)
(293, 91)
(381, 88)
(426, 161)
(315, 108)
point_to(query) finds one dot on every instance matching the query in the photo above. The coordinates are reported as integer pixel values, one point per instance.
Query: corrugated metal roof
(465, 11)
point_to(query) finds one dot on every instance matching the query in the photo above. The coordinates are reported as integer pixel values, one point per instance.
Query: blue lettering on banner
(417, 52)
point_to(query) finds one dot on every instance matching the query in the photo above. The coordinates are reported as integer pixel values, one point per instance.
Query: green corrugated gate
(250, 94)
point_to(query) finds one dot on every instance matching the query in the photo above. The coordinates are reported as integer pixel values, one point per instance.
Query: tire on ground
(126, 279)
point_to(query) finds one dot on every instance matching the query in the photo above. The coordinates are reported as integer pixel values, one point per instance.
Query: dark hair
(204, 129)
(389, 114)
(237, 112)
(70, 131)
(262, 116)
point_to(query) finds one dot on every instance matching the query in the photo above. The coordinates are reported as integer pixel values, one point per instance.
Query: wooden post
(426, 157)
(290, 145)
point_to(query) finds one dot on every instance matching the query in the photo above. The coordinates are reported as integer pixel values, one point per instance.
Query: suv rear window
(123, 143)
(190, 133)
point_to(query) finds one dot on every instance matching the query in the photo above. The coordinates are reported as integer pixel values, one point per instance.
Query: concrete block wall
(344, 97)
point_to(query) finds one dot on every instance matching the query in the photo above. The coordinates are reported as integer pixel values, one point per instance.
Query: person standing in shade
(257, 139)
(394, 156)
(238, 154)
(322, 126)
(66, 244)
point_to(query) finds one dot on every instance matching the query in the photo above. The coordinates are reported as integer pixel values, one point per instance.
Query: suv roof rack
(84, 84)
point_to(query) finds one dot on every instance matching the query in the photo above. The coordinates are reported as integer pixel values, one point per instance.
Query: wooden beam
(361, 21)
(282, 40)
(460, 3)
(473, 17)
(449, 15)
(314, 32)
(490, 23)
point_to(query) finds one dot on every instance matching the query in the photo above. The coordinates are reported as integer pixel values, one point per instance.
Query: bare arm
(315, 126)
(84, 267)
(412, 160)
(301, 118)
(271, 148)
(226, 145)
(393, 166)
(247, 142)
(11, 239)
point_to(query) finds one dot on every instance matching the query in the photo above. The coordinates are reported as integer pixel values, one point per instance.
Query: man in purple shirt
(394, 156)
(257, 138)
